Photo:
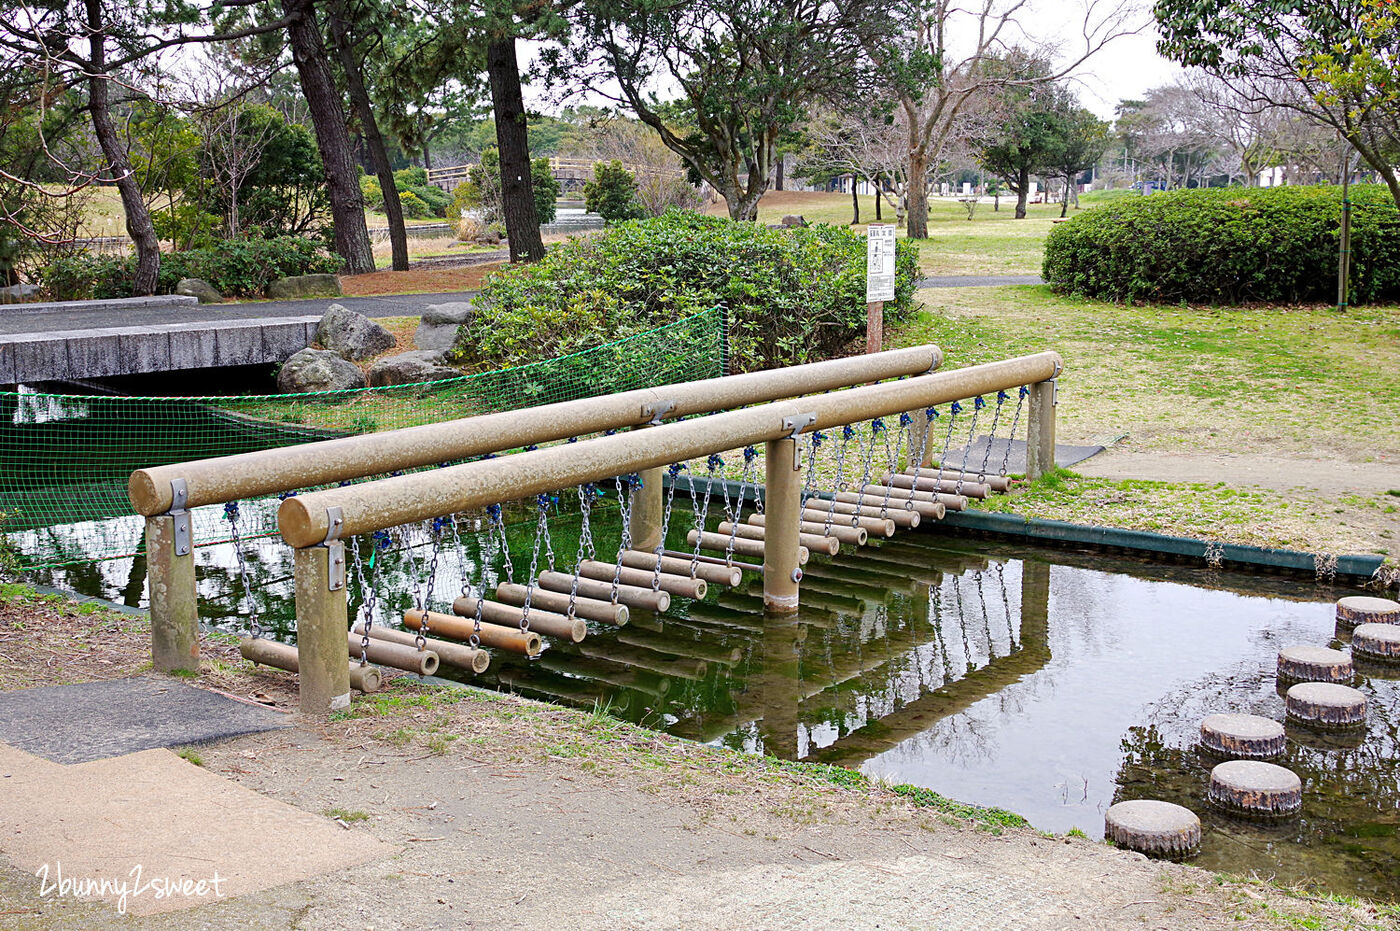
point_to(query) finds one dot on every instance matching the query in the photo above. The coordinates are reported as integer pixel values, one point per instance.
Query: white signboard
(879, 263)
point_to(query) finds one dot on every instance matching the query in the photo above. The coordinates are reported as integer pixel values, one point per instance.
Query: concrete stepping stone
(1243, 736)
(1158, 829)
(1325, 705)
(1256, 789)
(1355, 610)
(1376, 642)
(1313, 664)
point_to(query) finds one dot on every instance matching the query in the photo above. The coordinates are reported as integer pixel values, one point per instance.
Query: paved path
(977, 281)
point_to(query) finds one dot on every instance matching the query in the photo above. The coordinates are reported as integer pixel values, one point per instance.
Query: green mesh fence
(65, 459)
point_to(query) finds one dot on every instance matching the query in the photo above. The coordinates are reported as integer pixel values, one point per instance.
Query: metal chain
(674, 470)
(421, 640)
(1015, 421)
(624, 503)
(586, 493)
(954, 410)
(977, 405)
(713, 463)
(231, 514)
(992, 433)
(1006, 607)
(747, 474)
(541, 533)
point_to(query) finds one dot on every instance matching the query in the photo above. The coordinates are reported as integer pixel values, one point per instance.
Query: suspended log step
(393, 655)
(457, 655)
(720, 542)
(817, 512)
(631, 595)
(540, 620)
(284, 656)
(844, 533)
(928, 481)
(928, 510)
(876, 509)
(674, 565)
(588, 608)
(815, 542)
(949, 502)
(684, 586)
(511, 639)
(716, 561)
(1000, 483)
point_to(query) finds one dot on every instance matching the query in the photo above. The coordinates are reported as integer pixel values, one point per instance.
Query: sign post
(879, 282)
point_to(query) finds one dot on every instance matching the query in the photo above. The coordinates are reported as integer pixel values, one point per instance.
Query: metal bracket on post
(794, 426)
(1055, 390)
(334, 521)
(180, 516)
(653, 413)
(336, 561)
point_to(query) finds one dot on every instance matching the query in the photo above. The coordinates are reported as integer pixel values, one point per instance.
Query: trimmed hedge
(237, 268)
(1228, 245)
(794, 295)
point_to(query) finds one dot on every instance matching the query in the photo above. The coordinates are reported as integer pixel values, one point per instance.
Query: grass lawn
(1301, 382)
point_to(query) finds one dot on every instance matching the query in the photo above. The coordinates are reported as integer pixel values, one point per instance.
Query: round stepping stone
(1376, 642)
(1259, 790)
(1363, 609)
(1158, 829)
(1313, 664)
(1245, 736)
(1325, 705)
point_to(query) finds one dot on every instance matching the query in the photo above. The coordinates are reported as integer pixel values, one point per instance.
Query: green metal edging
(1058, 531)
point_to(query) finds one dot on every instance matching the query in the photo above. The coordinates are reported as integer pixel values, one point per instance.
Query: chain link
(1015, 422)
(992, 433)
(977, 405)
(624, 503)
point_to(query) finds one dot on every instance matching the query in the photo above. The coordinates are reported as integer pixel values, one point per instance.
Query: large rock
(16, 293)
(437, 331)
(299, 286)
(352, 335)
(410, 368)
(199, 288)
(318, 370)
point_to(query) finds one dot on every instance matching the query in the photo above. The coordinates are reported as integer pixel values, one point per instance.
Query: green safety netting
(65, 459)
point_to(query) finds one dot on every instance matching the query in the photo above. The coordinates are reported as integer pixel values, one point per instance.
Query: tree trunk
(517, 189)
(369, 127)
(1022, 190)
(855, 200)
(917, 199)
(778, 174)
(878, 185)
(332, 138)
(1064, 205)
(138, 218)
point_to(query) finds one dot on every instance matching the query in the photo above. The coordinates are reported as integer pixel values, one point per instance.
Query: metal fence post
(173, 600)
(322, 623)
(1040, 429)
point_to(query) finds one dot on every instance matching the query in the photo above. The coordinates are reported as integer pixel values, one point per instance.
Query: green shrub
(372, 191)
(793, 295)
(237, 268)
(612, 193)
(1228, 245)
(414, 208)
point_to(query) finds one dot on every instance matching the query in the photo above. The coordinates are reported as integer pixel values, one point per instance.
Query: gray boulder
(299, 286)
(16, 293)
(318, 370)
(199, 288)
(410, 368)
(352, 335)
(791, 220)
(437, 330)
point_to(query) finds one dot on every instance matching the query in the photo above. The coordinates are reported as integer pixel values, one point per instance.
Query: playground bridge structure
(834, 472)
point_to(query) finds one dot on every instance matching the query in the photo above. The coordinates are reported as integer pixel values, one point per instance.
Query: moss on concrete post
(1040, 430)
(782, 508)
(322, 623)
(173, 600)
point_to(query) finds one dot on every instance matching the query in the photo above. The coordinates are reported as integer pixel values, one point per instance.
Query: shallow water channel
(1043, 681)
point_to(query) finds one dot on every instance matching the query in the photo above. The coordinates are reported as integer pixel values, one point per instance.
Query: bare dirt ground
(1282, 473)
(508, 813)
(418, 280)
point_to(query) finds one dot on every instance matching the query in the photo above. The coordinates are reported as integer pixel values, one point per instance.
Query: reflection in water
(1047, 682)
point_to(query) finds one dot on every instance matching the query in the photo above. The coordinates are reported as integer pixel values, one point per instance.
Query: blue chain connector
(818, 439)
(284, 495)
(572, 439)
(714, 462)
(1002, 396)
(346, 484)
(750, 454)
(440, 524)
(930, 413)
(609, 432)
(978, 403)
(231, 511)
(396, 473)
(382, 539)
(847, 432)
(674, 469)
(494, 511)
(531, 448)
(905, 420)
(542, 500)
(956, 408)
(1025, 391)
(877, 425)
